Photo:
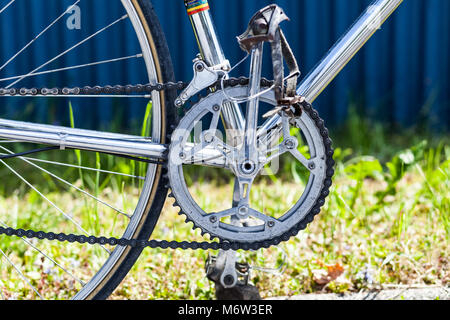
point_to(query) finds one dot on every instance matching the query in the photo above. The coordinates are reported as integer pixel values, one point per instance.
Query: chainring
(272, 231)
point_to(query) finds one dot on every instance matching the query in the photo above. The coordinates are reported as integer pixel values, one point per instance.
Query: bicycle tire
(155, 203)
(100, 283)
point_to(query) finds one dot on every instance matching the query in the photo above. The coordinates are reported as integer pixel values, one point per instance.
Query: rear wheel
(81, 192)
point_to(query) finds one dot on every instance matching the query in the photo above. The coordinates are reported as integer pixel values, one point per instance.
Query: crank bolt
(311, 165)
(216, 108)
(248, 167)
(270, 224)
(199, 67)
(289, 144)
(243, 210)
(182, 155)
(213, 219)
(228, 280)
(209, 138)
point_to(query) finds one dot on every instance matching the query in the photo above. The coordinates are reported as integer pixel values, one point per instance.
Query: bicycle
(180, 131)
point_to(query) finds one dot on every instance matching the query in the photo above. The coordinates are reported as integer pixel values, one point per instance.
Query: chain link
(116, 90)
(163, 244)
(97, 90)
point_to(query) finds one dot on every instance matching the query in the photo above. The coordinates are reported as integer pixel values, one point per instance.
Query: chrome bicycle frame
(311, 87)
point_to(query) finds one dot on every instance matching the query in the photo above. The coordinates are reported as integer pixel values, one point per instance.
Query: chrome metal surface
(266, 226)
(345, 49)
(213, 54)
(204, 77)
(119, 252)
(100, 142)
(227, 261)
(341, 53)
(110, 263)
(207, 38)
(75, 131)
(251, 120)
(89, 141)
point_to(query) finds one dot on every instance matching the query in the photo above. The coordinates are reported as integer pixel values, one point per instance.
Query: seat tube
(212, 53)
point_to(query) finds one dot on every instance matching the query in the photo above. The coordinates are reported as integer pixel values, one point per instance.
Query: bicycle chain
(116, 90)
(163, 244)
(97, 90)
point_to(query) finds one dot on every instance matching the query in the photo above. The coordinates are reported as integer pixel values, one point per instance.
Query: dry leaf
(323, 277)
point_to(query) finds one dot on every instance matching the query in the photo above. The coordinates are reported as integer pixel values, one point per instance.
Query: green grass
(386, 222)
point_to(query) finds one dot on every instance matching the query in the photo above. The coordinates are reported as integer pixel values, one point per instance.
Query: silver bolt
(243, 210)
(216, 108)
(213, 219)
(289, 144)
(248, 167)
(199, 67)
(178, 103)
(311, 165)
(270, 224)
(208, 137)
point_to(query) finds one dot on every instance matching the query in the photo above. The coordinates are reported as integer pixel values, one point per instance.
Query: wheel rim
(140, 213)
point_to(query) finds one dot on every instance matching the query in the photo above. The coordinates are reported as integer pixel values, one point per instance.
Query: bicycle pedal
(262, 27)
(214, 272)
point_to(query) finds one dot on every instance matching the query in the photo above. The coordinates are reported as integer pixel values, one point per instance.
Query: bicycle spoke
(48, 257)
(68, 50)
(136, 56)
(69, 184)
(38, 36)
(5, 7)
(81, 167)
(20, 273)
(68, 217)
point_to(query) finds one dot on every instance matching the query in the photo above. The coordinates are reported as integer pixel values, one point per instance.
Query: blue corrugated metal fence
(401, 76)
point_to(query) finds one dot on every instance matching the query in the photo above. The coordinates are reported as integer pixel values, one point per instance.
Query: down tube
(344, 50)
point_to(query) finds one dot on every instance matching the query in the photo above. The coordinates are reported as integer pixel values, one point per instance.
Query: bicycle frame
(311, 87)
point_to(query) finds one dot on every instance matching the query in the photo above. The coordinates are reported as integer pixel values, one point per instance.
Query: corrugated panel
(401, 76)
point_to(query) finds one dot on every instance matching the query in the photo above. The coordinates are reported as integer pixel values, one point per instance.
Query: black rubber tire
(154, 208)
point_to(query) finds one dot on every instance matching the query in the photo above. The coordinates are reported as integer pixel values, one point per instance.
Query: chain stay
(163, 244)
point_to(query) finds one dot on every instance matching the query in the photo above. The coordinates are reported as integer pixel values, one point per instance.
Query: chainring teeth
(188, 220)
(223, 244)
(328, 164)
